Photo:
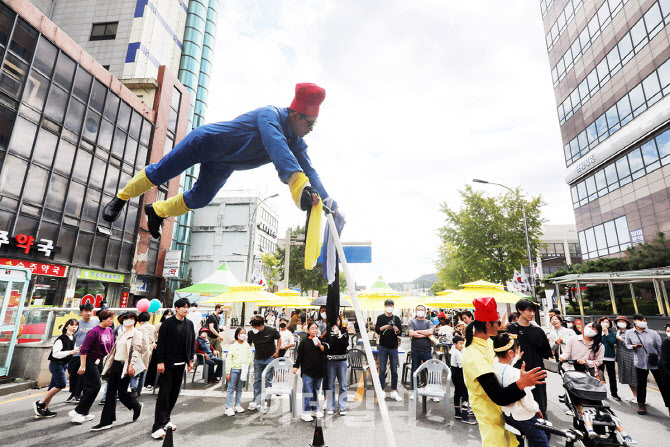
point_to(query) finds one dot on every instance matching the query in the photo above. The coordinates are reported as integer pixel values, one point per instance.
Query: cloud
(421, 98)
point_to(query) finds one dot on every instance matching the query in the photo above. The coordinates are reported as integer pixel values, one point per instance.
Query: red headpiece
(486, 309)
(308, 98)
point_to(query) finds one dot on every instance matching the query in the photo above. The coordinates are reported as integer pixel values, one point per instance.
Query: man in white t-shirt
(287, 338)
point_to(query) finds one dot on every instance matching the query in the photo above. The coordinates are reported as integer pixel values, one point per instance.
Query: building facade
(610, 65)
(71, 135)
(559, 247)
(234, 225)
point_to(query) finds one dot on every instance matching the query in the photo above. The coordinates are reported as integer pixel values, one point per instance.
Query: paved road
(200, 419)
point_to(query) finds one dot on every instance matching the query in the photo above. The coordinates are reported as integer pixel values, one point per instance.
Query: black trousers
(642, 375)
(116, 384)
(151, 372)
(169, 383)
(610, 367)
(540, 395)
(460, 391)
(90, 382)
(75, 382)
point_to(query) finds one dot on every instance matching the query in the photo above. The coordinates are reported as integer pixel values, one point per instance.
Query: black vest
(68, 345)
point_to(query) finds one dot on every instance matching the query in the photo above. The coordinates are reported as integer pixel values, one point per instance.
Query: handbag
(140, 367)
(652, 359)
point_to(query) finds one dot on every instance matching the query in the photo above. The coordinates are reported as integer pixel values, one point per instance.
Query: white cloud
(421, 98)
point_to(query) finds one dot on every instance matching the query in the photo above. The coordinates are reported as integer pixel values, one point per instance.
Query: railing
(41, 324)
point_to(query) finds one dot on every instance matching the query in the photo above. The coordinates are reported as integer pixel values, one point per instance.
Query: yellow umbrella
(464, 297)
(481, 284)
(288, 292)
(374, 297)
(444, 292)
(243, 293)
(286, 301)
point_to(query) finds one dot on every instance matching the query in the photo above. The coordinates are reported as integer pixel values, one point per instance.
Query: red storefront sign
(37, 268)
(124, 299)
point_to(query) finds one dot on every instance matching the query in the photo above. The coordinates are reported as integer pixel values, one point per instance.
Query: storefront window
(46, 291)
(90, 292)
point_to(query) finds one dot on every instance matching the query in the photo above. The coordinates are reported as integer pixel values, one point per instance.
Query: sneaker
(48, 413)
(239, 409)
(172, 426)
(137, 412)
(617, 398)
(102, 402)
(230, 412)
(72, 398)
(101, 427)
(80, 418)
(319, 414)
(158, 434)
(628, 440)
(395, 396)
(113, 209)
(561, 398)
(630, 399)
(330, 412)
(458, 414)
(306, 417)
(592, 434)
(148, 387)
(435, 399)
(38, 408)
(253, 406)
(411, 396)
(343, 412)
(466, 419)
(155, 222)
(641, 408)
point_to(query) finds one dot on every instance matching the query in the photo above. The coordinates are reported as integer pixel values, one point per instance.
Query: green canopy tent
(215, 284)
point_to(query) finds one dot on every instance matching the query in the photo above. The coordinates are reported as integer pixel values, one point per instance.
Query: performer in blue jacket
(268, 134)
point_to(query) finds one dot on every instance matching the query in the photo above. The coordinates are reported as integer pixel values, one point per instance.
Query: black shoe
(137, 412)
(100, 427)
(467, 419)
(71, 399)
(38, 408)
(154, 220)
(457, 413)
(102, 402)
(617, 398)
(48, 413)
(113, 209)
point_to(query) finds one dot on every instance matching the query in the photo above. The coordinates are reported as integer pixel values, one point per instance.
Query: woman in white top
(61, 353)
(558, 335)
(287, 338)
(120, 367)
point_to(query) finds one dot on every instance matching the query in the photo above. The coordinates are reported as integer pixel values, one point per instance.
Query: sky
(421, 97)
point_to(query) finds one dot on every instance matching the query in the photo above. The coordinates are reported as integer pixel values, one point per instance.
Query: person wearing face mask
(558, 335)
(309, 359)
(625, 357)
(120, 367)
(647, 346)
(523, 413)
(337, 343)
(61, 353)
(609, 341)
(588, 350)
(322, 323)
(239, 355)
(570, 324)
(267, 341)
(388, 328)
(664, 361)
(287, 338)
(420, 331)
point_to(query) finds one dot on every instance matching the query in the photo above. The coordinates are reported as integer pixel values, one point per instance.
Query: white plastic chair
(281, 370)
(435, 370)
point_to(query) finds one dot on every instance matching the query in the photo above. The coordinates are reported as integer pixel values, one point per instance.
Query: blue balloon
(154, 305)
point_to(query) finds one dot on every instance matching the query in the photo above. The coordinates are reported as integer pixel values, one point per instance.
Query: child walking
(310, 361)
(61, 353)
(239, 357)
(522, 413)
(461, 398)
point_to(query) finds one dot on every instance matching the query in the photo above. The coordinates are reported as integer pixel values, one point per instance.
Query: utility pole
(287, 257)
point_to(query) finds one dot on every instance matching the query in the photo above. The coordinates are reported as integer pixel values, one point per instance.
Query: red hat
(308, 98)
(486, 309)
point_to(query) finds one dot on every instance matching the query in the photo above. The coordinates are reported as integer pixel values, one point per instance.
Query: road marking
(21, 398)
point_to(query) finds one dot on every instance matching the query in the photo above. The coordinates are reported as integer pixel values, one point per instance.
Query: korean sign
(97, 275)
(37, 268)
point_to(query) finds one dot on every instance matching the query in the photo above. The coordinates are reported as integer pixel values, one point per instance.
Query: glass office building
(610, 66)
(70, 136)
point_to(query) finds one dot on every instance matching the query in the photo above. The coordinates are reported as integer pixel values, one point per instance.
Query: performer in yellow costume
(486, 394)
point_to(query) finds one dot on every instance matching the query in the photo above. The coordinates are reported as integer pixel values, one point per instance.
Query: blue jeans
(386, 354)
(234, 388)
(418, 357)
(337, 369)
(535, 436)
(137, 381)
(259, 367)
(57, 370)
(310, 388)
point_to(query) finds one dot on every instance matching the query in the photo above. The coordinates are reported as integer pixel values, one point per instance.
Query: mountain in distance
(422, 282)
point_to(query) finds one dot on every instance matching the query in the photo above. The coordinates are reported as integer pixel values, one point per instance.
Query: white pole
(390, 439)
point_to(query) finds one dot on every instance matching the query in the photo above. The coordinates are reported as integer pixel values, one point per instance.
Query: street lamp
(252, 240)
(525, 227)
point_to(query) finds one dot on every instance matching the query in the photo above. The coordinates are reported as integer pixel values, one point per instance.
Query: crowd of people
(496, 367)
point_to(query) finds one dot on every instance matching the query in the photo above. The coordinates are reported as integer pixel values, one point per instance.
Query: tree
(271, 263)
(485, 239)
(188, 282)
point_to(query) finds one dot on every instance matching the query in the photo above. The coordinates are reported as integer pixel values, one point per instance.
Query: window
(104, 31)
